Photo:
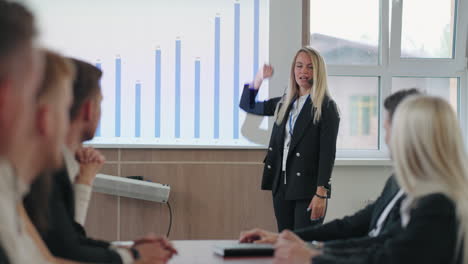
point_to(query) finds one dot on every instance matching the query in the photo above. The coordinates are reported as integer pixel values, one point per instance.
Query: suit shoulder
(329, 107)
(437, 202)
(436, 199)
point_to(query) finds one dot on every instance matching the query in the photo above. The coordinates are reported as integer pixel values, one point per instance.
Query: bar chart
(172, 81)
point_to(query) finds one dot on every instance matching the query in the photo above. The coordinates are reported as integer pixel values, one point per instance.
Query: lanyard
(292, 120)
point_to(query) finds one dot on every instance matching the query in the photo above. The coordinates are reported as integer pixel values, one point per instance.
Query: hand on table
(290, 249)
(154, 250)
(150, 238)
(258, 236)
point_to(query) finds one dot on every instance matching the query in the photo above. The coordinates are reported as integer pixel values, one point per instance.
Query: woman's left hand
(318, 206)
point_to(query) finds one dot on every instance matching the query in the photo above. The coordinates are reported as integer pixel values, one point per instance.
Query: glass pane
(357, 98)
(427, 29)
(446, 88)
(346, 32)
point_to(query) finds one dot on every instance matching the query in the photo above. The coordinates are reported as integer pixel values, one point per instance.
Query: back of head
(85, 86)
(427, 145)
(392, 101)
(429, 155)
(18, 31)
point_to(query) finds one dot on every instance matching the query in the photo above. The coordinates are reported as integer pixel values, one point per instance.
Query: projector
(130, 188)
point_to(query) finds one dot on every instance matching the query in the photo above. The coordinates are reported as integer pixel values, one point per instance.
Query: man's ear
(87, 111)
(43, 120)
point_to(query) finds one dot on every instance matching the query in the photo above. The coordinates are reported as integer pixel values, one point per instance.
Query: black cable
(170, 219)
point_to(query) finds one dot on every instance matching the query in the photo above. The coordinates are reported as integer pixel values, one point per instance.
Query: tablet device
(243, 249)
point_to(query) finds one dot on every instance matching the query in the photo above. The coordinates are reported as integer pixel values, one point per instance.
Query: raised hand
(265, 72)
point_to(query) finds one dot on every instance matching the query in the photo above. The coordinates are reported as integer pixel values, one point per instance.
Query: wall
(215, 194)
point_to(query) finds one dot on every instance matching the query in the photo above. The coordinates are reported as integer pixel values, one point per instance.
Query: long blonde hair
(429, 155)
(318, 91)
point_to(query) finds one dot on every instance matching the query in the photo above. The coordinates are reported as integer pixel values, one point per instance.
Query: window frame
(392, 65)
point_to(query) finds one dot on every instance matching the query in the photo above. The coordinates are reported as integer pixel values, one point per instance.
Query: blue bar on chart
(177, 87)
(118, 87)
(157, 97)
(197, 99)
(138, 109)
(216, 75)
(256, 36)
(236, 69)
(98, 129)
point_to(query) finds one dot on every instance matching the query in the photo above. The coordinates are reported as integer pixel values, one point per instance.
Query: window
(428, 34)
(357, 101)
(341, 43)
(374, 48)
(446, 88)
(363, 112)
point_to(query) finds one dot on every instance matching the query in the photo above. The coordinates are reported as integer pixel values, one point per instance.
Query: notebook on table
(243, 249)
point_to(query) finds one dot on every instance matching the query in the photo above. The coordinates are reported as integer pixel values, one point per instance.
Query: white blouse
(293, 114)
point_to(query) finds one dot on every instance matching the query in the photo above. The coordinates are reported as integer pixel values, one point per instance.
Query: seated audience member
(21, 65)
(20, 73)
(65, 236)
(430, 166)
(379, 218)
(51, 125)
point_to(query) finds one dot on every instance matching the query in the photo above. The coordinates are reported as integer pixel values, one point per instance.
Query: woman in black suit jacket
(302, 147)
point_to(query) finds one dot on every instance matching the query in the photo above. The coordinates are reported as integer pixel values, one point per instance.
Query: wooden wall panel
(215, 194)
(181, 155)
(209, 201)
(102, 219)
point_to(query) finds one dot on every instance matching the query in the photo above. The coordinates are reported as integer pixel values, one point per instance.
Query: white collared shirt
(82, 192)
(383, 216)
(290, 123)
(405, 210)
(18, 245)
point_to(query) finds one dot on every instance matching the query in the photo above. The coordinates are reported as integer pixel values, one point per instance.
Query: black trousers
(292, 214)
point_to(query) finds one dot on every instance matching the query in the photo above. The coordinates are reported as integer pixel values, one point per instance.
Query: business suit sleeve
(330, 121)
(89, 241)
(348, 227)
(422, 241)
(65, 241)
(249, 104)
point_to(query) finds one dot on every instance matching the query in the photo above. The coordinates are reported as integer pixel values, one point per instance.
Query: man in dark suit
(65, 237)
(379, 219)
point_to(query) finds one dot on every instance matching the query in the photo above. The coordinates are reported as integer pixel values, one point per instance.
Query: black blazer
(430, 237)
(312, 151)
(67, 239)
(3, 256)
(361, 223)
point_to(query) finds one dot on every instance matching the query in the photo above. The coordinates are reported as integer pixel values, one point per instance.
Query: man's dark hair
(85, 86)
(392, 101)
(16, 28)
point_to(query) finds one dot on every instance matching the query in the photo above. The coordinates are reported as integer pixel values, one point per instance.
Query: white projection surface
(173, 69)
